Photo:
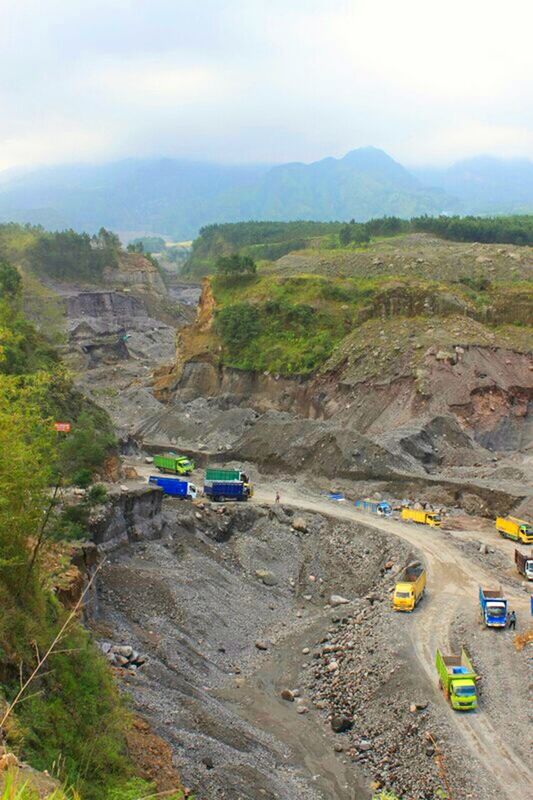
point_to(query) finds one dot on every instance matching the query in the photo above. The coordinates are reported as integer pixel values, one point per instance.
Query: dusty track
(453, 581)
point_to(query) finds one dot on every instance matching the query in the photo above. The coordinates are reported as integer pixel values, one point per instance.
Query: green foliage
(82, 478)
(354, 233)
(260, 240)
(76, 713)
(16, 789)
(235, 266)
(85, 448)
(72, 714)
(477, 284)
(10, 281)
(516, 229)
(97, 494)
(238, 324)
(67, 255)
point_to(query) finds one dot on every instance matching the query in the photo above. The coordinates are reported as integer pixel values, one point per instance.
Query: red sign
(62, 427)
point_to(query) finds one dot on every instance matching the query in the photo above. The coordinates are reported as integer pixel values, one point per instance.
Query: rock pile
(123, 656)
(372, 700)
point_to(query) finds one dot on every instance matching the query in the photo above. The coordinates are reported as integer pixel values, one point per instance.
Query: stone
(207, 761)
(364, 746)
(340, 723)
(286, 694)
(338, 600)
(261, 644)
(306, 651)
(123, 650)
(483, 549)
(266, 577)
(148, 460)
(338, 747)
(299, 524)
(302, 710)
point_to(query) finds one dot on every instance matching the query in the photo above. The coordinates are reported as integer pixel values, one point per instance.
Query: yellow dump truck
(410, 587)
(516, 529)
(423, 517)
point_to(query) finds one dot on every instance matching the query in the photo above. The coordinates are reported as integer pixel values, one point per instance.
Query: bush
(236, 265)
(476, 284)
(238, 324)
(97, 494)
(85, 448)
(82, 478)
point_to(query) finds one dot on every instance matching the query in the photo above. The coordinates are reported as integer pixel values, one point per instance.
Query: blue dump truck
(380, 507)
(174, 486)
(493, 607)
(227, 490)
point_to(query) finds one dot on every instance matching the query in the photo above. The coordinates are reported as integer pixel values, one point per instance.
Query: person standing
(512, 620)
(277, 497)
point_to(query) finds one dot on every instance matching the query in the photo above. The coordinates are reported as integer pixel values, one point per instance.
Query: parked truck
(423, 517)
(524, 564)
(225, 475)
(174, 487)
(380, 507)
(493, 607)
(228, 490)
(516, 529)
(457, 680)
(170, 462)
(410, 587)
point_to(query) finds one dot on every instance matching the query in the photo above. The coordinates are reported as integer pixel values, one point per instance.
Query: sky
(264, 80)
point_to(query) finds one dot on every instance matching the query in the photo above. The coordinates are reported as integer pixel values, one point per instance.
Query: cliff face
(135, 271)
(129, 517)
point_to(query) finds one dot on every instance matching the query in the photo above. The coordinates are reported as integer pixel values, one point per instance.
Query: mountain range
(174, 198)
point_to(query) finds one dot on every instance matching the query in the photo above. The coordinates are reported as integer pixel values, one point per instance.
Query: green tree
(235, 265)
(10, 281)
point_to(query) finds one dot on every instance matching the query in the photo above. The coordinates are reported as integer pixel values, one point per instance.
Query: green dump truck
(177, 465)
(457, 680)
(225, 475)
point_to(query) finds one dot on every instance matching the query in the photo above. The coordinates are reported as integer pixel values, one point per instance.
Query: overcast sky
(264, 80)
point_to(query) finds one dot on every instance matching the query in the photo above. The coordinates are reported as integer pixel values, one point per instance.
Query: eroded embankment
(224, 604)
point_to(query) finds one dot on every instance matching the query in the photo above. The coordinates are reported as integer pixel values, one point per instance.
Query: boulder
(299, 524)
(266, 577)
(340, 723)
(338, 600)
(286, 694)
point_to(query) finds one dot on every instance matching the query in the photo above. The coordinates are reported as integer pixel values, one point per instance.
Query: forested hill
(176, 198)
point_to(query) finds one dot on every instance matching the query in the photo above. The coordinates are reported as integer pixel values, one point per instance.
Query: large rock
(338, 600)
(341, 723)
(299, 524)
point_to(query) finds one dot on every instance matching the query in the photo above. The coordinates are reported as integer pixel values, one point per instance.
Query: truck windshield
(527, 530)
(496, 611)
(465, 691)
(403, 594)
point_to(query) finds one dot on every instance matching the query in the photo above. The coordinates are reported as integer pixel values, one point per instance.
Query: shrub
(97, 494)
(82, 478)
(237, 324)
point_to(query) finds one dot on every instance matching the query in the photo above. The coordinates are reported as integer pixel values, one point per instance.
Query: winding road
(453, 581)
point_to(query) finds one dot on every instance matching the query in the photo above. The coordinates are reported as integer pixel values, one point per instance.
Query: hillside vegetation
(297, 314)
(71, 719)
(270, 241)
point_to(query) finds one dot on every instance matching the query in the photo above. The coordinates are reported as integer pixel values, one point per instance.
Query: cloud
(264, 80)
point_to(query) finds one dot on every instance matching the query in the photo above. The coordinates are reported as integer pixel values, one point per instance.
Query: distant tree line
(65, 255)
(516, 230)
(68, 255)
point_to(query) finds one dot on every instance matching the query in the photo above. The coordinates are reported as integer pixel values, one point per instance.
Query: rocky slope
(427, 380)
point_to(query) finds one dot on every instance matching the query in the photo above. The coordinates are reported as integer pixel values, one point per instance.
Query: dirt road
(453, 581)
